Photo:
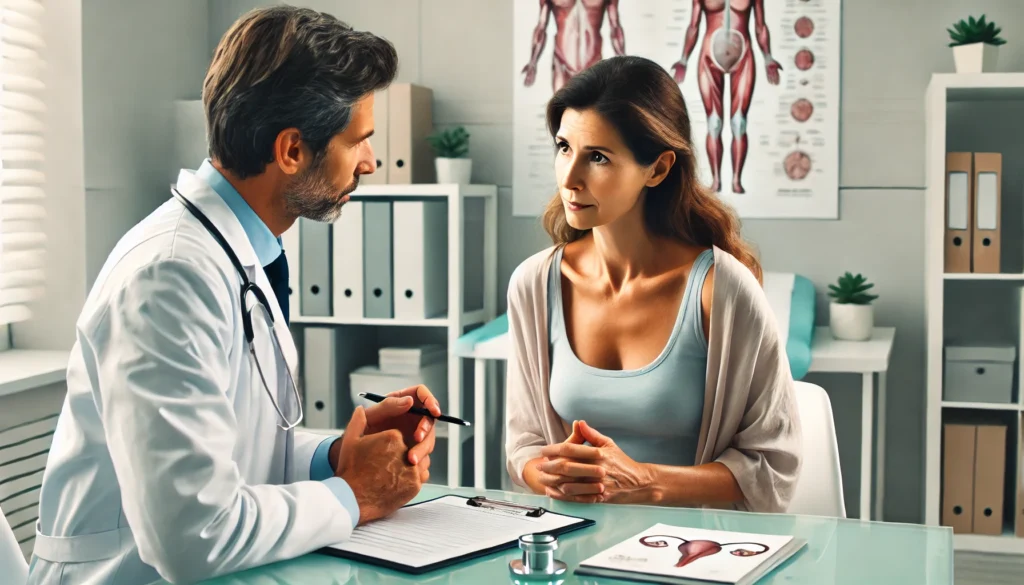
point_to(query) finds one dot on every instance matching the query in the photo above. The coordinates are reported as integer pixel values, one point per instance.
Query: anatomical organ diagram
(692, 550)
(726, 51)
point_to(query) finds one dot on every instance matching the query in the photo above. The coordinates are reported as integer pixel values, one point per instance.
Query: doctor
(176, 454)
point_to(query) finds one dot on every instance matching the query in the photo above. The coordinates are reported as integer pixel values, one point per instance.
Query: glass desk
(838, 551)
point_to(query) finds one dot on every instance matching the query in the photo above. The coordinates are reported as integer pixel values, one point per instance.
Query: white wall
(115, 69)
(140, 57)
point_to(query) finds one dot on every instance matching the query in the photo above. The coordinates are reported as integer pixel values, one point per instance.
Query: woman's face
(599, 181)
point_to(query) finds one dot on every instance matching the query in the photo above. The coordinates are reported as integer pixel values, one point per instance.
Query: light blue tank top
(653, 413)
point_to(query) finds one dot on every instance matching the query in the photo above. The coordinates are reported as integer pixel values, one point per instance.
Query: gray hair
(285, 67)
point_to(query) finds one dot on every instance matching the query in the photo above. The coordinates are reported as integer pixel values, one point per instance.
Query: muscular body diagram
(577, 37)
(726, 50)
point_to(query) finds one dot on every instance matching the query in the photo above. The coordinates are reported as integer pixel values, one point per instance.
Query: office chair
(819, 490)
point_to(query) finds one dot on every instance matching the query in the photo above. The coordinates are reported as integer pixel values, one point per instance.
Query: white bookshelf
(955, 94)
(458, 316)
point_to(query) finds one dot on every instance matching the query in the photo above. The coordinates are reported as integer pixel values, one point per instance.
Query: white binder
(420, 247)
(290, 244)
(348, 262)
(320, 378)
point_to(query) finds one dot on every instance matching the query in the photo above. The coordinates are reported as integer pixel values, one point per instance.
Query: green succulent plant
(450, 143)
(851, 290)
(973, 30)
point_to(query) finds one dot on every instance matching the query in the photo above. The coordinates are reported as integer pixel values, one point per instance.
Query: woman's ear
(660, 169)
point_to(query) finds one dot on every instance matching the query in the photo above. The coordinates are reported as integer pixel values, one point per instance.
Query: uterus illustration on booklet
(680, 554)
(691, 550)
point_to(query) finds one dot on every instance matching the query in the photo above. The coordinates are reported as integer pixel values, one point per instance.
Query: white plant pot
(454, 170)
(976, 58)
(851, 322)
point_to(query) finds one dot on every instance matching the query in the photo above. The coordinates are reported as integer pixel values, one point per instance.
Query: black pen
(418, 410)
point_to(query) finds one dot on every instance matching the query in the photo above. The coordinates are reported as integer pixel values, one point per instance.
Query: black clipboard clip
(482, 502)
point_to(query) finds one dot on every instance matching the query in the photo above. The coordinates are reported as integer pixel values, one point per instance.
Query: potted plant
(975, 45)
(451, 147)
(851, 315)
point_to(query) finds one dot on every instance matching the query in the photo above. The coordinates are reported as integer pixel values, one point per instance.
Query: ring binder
(482, 502)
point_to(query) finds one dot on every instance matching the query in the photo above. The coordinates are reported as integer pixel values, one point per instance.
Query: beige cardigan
(750, 421)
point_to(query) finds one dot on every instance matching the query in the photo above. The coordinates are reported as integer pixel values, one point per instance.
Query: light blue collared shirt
(268, 248)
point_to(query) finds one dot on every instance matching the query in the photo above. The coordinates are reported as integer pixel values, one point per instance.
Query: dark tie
(277, 274)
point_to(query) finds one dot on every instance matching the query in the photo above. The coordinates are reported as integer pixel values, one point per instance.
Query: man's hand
(375, 467)
(393, 414)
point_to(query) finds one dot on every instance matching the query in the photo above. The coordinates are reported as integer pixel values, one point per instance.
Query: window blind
(22, 145)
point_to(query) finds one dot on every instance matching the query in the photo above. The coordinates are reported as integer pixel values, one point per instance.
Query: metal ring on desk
(538, 561)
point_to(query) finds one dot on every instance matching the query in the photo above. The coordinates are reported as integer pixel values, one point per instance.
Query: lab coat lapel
(211, 204)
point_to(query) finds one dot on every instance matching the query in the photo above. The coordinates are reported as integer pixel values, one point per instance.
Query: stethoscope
(249, 286)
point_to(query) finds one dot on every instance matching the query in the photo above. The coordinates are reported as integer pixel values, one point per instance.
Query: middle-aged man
(175, 455)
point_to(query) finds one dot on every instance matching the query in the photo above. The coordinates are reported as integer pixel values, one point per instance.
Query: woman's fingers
(572, 469)
(572, 451)
(556, 494)
(581, 489)
(548, 480)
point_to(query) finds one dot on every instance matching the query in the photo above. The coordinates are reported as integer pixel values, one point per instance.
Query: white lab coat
(167, 461)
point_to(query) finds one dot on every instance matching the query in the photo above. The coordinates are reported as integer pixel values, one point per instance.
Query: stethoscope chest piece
(538, 561)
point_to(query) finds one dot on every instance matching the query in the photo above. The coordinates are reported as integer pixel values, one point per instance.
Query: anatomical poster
(760, 79)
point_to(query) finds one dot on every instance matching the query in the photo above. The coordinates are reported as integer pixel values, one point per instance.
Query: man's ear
(290, 151)
(660, 168)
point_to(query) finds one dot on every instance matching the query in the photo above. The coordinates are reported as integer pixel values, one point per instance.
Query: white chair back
(12, 561)
(819, 490)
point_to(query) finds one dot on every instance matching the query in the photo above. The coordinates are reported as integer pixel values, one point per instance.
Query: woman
(647, 366)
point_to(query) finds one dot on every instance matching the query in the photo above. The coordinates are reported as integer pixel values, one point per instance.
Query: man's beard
(313, 197)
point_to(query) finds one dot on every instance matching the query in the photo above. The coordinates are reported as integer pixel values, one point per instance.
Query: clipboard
(476, 527)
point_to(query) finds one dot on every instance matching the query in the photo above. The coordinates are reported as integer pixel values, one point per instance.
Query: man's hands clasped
(384, 455)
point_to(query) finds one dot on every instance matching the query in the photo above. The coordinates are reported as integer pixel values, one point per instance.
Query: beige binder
(959, 207)
(410, 121)
(1018, 512)
(379, 140)
(988, 174)
(989, 477)
(958, 477)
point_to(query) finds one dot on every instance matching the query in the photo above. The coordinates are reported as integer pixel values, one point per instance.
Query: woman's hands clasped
(598, 472)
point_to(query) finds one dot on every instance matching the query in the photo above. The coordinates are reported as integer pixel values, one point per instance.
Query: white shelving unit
(458, 318)
(943, 94)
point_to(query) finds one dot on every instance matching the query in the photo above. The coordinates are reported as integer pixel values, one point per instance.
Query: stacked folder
(974, 474)
(973, 205)
(403, 367)
(379, 260)
(402, 120)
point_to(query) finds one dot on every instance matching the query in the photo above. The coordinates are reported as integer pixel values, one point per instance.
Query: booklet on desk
(438, 533)
(676, 554)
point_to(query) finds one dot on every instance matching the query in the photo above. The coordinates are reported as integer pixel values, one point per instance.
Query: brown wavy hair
(644, 104)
